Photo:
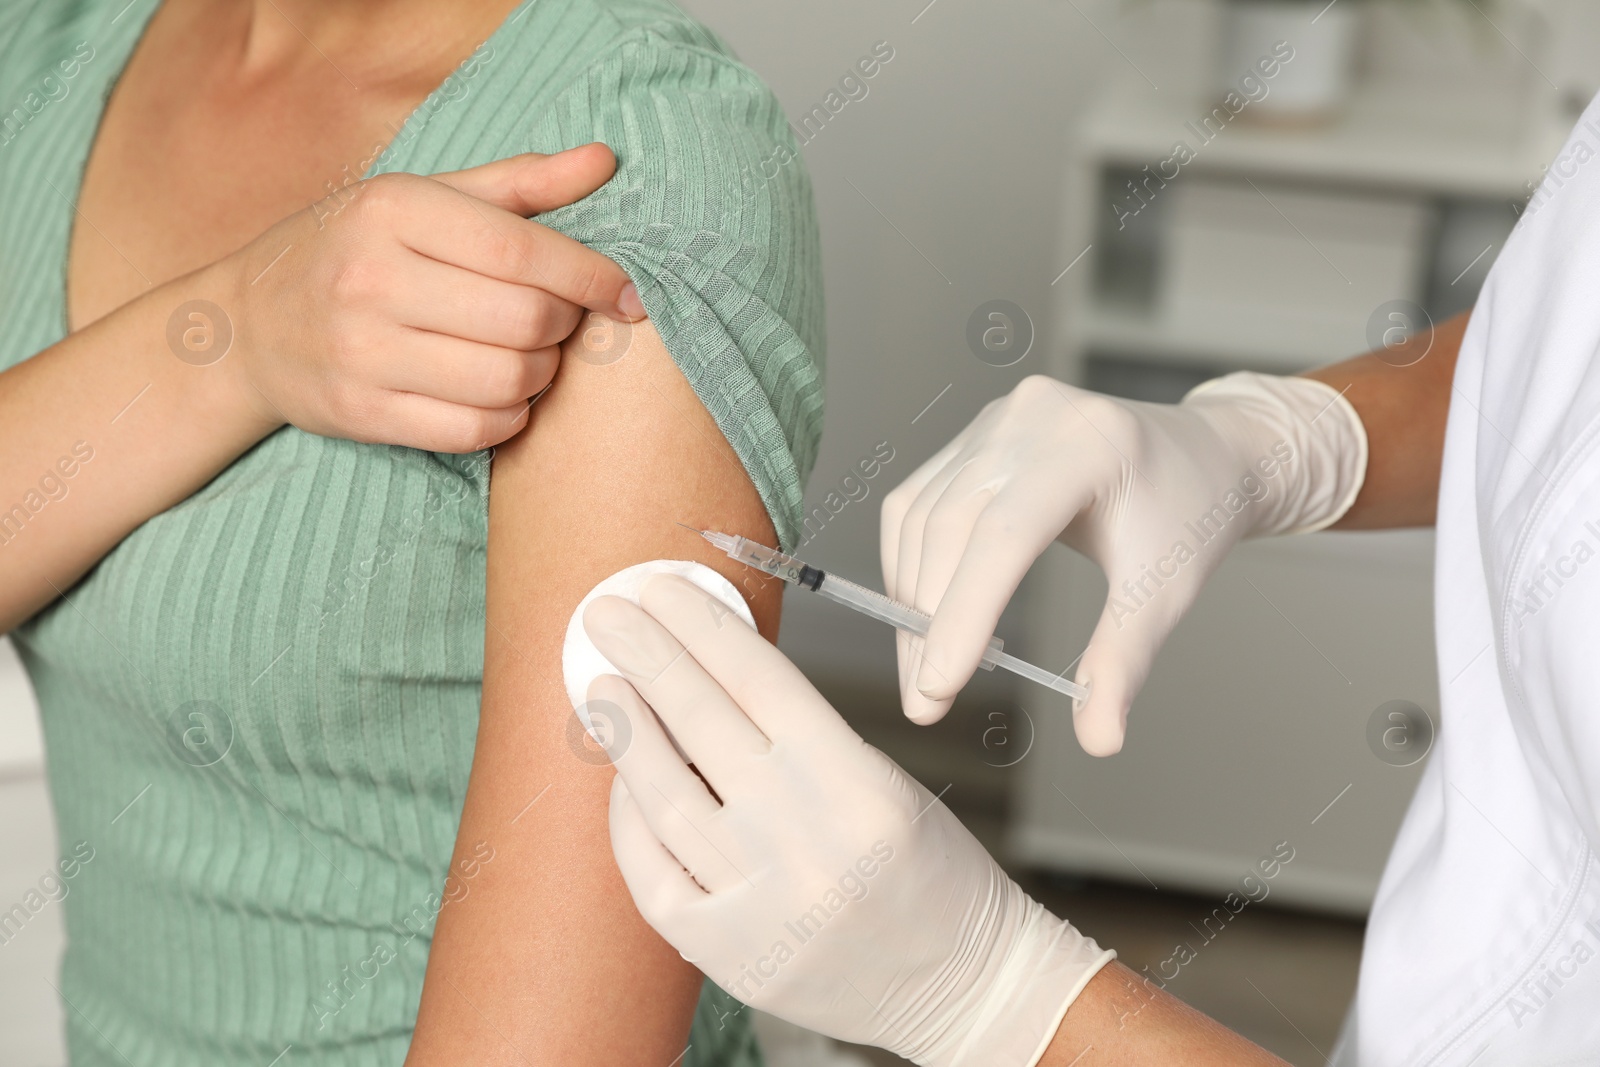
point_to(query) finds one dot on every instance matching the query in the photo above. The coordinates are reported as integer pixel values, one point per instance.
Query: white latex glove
(1156, 494)
(814, 879)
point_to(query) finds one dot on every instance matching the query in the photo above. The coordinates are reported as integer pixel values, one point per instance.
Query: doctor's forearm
(1129, 1022)
(1403, 408)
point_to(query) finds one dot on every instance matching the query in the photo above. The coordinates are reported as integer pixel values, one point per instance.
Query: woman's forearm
(1402, 395)
(105, 429)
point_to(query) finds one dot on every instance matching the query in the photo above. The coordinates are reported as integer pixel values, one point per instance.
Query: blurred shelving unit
(1271, 249)
(30, 943)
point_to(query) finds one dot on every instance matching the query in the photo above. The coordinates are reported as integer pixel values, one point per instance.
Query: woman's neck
(377, 42)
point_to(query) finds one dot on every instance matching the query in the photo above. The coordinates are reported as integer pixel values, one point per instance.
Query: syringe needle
(872, 603)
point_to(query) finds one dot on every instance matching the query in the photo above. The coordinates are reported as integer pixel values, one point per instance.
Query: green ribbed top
(260, 708)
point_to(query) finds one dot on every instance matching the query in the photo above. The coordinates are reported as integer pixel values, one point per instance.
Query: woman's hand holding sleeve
(421, 311)
(799, 867)
(403, 310)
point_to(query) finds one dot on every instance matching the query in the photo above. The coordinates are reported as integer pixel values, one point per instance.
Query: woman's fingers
(475, 235)
(433, 425)
(467, 373)
(533, 182)
(433, 296)
(325, 337)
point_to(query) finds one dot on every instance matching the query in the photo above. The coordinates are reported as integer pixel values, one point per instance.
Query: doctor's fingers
(971, 568)
(983, 460)
(643, 755)
(662, 889)
(934, 535)
(897, 503)
(914, 519)
(760, 681)
(676, 805)
(936, 531)
(1138, 616)
(713, 730)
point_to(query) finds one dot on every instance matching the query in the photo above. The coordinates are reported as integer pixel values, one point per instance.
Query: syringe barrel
(870, 602)
(880, 607)
(773, 562)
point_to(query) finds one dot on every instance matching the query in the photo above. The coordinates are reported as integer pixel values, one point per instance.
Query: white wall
(959, 143)
(30, 1012)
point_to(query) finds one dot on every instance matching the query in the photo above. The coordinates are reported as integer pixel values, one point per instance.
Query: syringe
(874, 604)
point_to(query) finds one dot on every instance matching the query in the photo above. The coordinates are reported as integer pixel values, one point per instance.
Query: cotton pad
(582, 663)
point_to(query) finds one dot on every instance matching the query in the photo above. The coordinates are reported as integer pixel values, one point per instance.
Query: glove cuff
(1047, 966)
(1297, 437)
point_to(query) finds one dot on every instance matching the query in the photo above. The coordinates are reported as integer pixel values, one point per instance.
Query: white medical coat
(1483, 946)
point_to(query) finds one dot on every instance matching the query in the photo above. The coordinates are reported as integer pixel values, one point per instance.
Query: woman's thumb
(531, 183)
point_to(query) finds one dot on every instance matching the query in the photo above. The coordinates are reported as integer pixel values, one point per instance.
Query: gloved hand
(813, 879)
(1156, 494)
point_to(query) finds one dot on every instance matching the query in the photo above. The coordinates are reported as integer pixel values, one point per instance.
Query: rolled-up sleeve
(710, 213)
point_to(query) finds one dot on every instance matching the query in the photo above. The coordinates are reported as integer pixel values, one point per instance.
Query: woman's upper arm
(709, 417)
(545, 959)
